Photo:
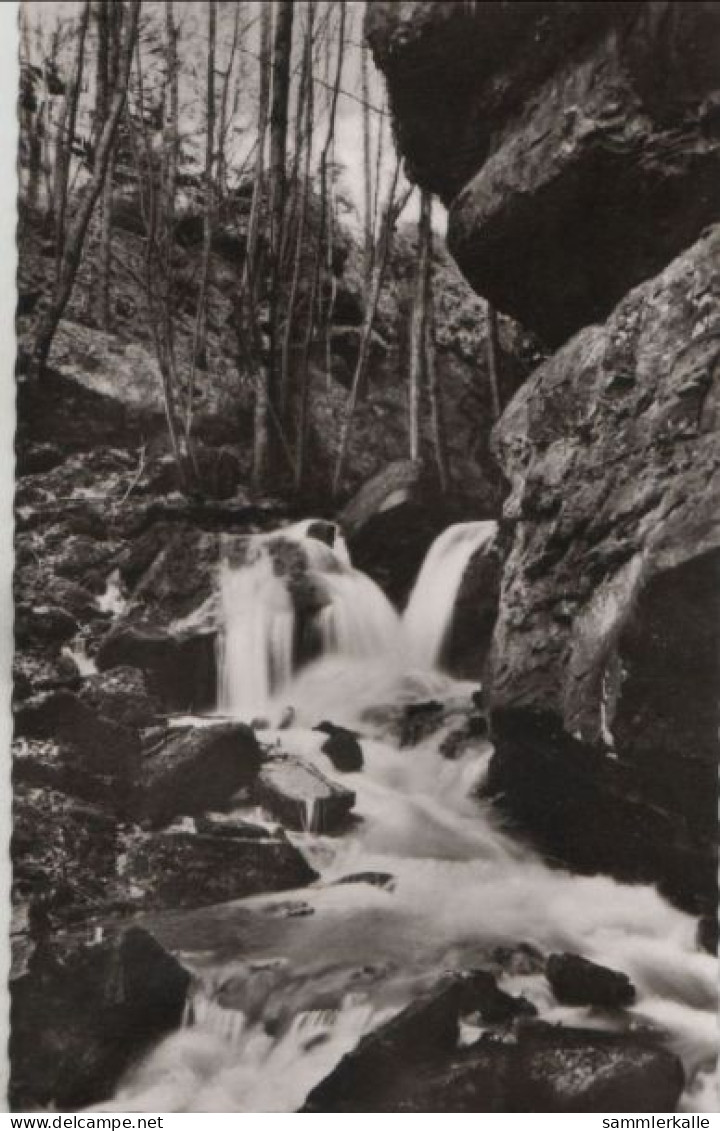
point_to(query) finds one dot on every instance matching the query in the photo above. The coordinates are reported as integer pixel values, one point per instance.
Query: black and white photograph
(365, 554)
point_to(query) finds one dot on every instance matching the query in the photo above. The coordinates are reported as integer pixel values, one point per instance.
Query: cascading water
(429, 612)
(317, 969)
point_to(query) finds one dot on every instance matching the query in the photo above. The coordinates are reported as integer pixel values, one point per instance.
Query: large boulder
(180, 867)
(424, 1033)
(82, 1013)
(469, 637)
(195, 769)
(301, 797)
(575, 144)
(180, 666)
(43, 624)
(391, 523)
(64, 854)
(342, 748)
(412, 1064)
(97, 757)
(605, 657)
(577, 981)
(121, 694)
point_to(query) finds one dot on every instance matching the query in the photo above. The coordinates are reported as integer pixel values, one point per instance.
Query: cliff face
(577, 145)
(577, 148)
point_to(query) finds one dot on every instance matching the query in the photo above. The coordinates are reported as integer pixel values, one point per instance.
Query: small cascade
(428, 616)
(287, 984)
(269, 612)
(256, 647)
(205, 1013)
(269, 608)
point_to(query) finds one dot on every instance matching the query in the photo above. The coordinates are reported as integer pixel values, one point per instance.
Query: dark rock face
(576, 144)
(605, 656)
(43, 624)
(181, 667)
(64, 853)
(121, 694)
(342, 748)
(420, 1034)
(83, 1012)
(179, 868)
(420, 720)
(476, 609)
(301, 797)
(391, 523)
(93, 757)
(576, 981)
(412, 1062)
(197, 769)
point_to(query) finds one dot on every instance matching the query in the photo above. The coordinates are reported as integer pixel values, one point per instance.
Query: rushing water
(286, 984)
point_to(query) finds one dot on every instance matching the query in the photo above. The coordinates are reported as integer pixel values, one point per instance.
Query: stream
(285, 984)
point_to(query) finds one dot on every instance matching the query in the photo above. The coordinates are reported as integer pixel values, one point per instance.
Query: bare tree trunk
(158, 213)
(282, 55)
(108, 60)
(66, 140)
(367, 169)
(171, 158)
(45, 123)
(30, 118)
(391, 213)
(494, 355)
(418, 322)
(437, 417)
(221, 147)
(308, 114)
(200, 343)
(77, 231)
(304, 367)
(250, 271)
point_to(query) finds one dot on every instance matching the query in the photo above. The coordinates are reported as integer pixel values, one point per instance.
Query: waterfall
(268, 615)
(256, 647)
(268, 612)
(428, 616)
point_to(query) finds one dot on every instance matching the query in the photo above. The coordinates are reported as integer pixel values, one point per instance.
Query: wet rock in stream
(538, 1068)
(83, 1011)
(122, 694)
(180, 666)
(179, 867)
(342, 748)
(576, 981)
(301, 797)
(196, 769)
(422, 1034)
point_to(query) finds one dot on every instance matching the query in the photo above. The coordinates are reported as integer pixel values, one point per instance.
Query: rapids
(285, 984)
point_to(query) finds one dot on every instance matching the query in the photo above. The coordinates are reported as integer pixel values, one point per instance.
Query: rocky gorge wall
(577, 148)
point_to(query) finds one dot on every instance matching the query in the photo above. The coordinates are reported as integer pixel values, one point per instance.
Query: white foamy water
(428, 616)
(286, 984)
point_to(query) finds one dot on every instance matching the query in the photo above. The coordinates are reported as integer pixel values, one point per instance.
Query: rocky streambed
(206, 907)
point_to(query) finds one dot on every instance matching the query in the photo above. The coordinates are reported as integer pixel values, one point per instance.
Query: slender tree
(391, 213)
(74, 236)
(108, 17)
(304, 136)
(304, 366)
(494, 354)
(200, 343)
(31, 113)
(66, 139)
(157, 183)
(247, 319)
(368, 232)
(281, 69)
(418, 323)
(437, 418)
